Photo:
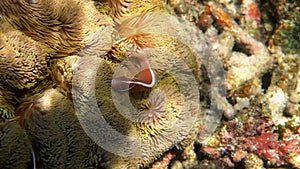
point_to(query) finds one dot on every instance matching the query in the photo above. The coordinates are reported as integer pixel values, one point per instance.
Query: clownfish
(143, 79)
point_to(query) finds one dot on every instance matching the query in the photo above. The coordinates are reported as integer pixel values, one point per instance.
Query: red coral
(213, 153)
(253, 12)
(266, 146)
(254, 135)
(164, 162)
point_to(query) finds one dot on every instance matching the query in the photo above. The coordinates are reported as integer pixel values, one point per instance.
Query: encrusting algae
(136, 84)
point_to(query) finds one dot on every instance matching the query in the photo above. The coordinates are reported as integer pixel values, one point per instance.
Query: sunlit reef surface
(149, 84)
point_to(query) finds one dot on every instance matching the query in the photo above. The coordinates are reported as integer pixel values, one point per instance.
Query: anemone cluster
(137, 84)
(73, 73)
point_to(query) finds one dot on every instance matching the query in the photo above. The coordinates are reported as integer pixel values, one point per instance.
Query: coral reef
(286, 32)
(261, 80)
(149, 84)
(243, 135)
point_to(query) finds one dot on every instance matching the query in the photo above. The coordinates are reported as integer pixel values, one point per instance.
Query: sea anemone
(23, 61)
(7, 110)
(140, 32)
(157, 118)
(154, 110)
(62, 25)
(141, 124)
(162, 122)
(15, 146)
(120, 8)
(56, 135)
(62, 71)
(136, 32)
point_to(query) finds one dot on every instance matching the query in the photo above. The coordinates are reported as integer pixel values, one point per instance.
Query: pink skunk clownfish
(143, 79)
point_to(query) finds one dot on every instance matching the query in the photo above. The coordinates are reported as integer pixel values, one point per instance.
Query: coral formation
(244, 135)
(286, 32)
(252, 161)
(267, 93)
(242, 67)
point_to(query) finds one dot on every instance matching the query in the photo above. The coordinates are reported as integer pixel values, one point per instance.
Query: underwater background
(160, 84)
